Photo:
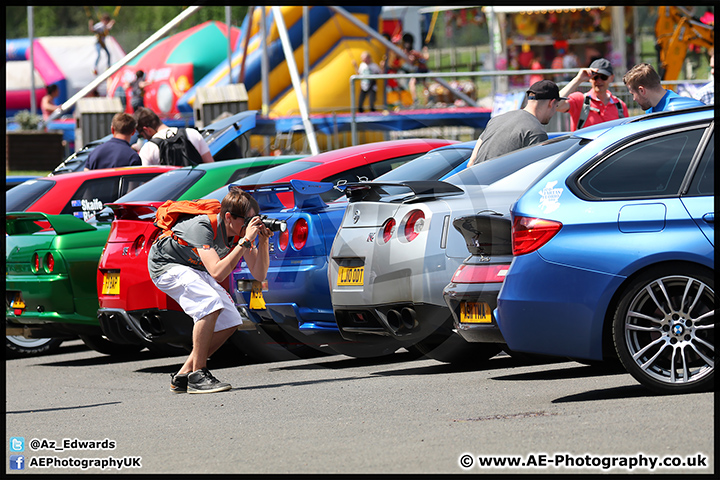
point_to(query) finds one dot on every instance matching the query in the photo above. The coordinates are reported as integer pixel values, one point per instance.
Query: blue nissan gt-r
(296, 296)
(614, 254)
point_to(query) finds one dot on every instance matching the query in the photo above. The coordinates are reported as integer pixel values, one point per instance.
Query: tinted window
(167, 186)
(129, 183)
(276, 173)
(703, 182)
(21, 196)
(650, 168)
(91, 195)
(494, 169)
(430, 166)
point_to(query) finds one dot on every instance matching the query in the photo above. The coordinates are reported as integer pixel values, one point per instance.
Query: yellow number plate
(350, 276)
(18, 302)
(472, 312)
(111, 283)
(257, 302)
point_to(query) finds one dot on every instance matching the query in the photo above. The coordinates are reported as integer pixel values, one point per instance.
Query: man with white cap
(596, 106)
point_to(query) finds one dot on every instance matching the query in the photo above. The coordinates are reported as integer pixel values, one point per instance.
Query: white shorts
(199, 295)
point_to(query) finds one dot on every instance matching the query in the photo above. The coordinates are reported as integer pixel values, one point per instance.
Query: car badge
(677, 329)
(356, 216)
(126, 251)
(371, 238)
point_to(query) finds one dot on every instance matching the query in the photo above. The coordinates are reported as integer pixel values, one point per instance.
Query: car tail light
(284, 240)
(300, 234)
(138, 245)
(153, 237)
(49, 263)
(388, 229)
(35, 263)
(529, 234)
(480, 273)
(414, 225)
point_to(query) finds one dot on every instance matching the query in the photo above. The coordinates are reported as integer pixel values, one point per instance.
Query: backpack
(169, 212)
(586, 111)
(177, 149)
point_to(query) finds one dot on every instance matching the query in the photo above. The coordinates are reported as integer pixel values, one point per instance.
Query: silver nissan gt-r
(396, 250)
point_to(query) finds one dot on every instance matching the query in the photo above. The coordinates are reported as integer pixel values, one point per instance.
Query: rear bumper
(146, 326)
(405, 324)
(455, 293)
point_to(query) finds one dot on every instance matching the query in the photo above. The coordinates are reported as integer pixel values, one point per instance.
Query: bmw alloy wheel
(664, 330)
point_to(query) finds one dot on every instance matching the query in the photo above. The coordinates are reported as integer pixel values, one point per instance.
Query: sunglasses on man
(600, 76)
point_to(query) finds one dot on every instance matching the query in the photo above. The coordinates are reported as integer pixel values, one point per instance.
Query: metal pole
(264, 67)
(246, 42)
(306, 55)
(31, 34)
(295, 77)
(109, 72)
(229, 49)
(397, 50)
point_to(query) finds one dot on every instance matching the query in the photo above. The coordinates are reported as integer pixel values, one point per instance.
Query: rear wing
(306, 194)
(420, 190)
(135, 210)
(19, 223)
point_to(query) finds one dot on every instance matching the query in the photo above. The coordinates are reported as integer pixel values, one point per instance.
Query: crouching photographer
(191, 260)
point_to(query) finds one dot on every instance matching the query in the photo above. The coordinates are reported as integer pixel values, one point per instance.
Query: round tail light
(49, 263)
(138, 245)
(414, 225)
(388, 229)
(300, 234)
(284, 240)
(35, 263)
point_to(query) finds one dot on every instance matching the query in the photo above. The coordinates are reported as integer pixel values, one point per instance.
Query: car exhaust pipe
(408, 318)
(151, 323)
(394, 320)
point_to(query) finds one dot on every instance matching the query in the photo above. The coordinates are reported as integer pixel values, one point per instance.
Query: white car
(396, 250)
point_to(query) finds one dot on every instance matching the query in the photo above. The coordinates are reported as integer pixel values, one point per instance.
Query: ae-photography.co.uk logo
(17, 462)
(17, 444)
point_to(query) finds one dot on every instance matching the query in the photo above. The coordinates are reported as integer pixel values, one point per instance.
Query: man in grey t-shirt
(190, 266)
(520, 128)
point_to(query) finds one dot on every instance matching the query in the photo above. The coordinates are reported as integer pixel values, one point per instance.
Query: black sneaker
(179, 382)
(202, 381)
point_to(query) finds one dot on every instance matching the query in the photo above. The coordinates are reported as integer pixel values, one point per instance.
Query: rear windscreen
(20, 197)
(167, 186)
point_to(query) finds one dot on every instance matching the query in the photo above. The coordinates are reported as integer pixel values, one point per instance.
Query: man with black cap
(596, 106)
(519, 128)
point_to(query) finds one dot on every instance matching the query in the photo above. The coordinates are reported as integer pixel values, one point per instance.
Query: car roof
(106, 172)
(238, 162)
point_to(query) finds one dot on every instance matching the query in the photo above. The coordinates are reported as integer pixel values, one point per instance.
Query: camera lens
(273, 224)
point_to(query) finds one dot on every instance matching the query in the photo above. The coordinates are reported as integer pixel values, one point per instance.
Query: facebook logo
(17, 444)
(17, 462)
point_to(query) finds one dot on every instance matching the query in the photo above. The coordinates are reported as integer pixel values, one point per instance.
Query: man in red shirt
(596, 106)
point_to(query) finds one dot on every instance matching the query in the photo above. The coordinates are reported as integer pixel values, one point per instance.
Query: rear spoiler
(18, 223)
(307, 194)
(134, 210)
(422, 190)
(486, 233)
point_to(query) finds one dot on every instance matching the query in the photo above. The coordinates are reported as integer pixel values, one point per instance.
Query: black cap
(544, 90)
(603, 66)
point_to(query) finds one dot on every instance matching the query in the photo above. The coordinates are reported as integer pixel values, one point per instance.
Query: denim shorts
(199, 295)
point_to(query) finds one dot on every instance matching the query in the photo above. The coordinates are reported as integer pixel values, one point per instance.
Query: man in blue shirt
(117, 151)
(643, 83)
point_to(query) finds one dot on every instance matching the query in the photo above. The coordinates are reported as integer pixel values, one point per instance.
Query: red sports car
(80, 194)
(142, 310)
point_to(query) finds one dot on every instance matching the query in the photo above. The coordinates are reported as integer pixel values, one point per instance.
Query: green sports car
(50, 273)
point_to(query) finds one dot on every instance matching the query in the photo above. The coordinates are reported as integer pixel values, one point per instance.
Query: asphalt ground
(78, 411)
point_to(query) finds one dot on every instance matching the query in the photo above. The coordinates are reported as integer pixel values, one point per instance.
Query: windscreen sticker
(89, 207)
(549, 197)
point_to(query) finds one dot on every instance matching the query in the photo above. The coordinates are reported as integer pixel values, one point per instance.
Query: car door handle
(709, 218)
